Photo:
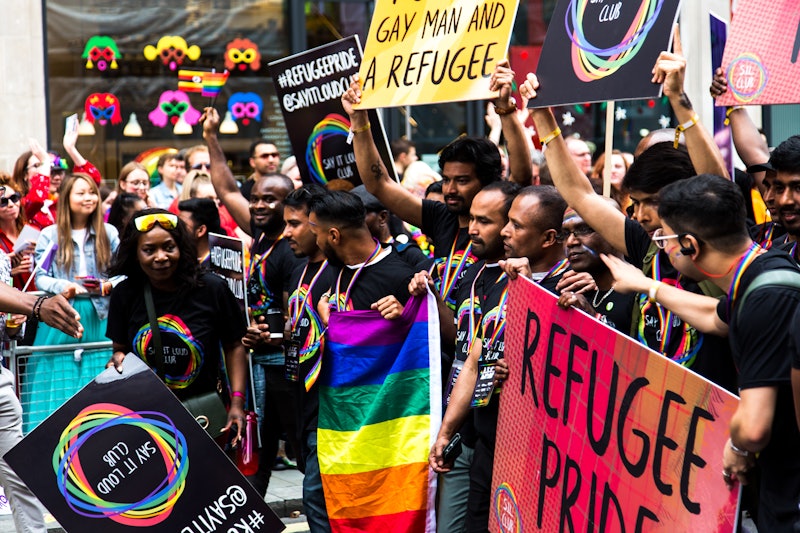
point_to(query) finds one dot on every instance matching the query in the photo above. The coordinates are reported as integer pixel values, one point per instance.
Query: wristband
(37, 307)
(738, 451)
(728, 112)
(353, 132)
(651, 295)
(553, 134)
(237, 394)
(683, 127)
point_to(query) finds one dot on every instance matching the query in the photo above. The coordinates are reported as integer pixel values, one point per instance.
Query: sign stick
(609, 148)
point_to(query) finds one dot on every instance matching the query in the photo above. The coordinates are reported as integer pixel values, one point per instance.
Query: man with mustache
(271, 264)
(583, 247)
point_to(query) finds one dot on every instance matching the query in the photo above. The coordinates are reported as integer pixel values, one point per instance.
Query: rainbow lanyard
(689, 346)
(453, 272)
(341, 304)
(296, 310)
(793, 250)
(749, 256)
(316, 328)
(473, 328)
(500, 317)
(260, 261)
(766, 239)
(557, 269)
(202, 260)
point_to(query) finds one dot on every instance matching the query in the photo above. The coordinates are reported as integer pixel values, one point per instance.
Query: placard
(597, 431)
(226, 260)
(762, 55)
(433, 51)
(718, 31)
(310, 86)
(123, 454)
(601, 50)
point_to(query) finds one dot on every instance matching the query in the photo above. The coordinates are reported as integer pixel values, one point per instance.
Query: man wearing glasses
(705, 236)
(197, 158)
(264, 160)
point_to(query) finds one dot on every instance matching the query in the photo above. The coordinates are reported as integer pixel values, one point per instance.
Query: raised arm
(570, 181)
(519, 153)
(697, 310)
(373, 172)
(221, 176)
(670, 69)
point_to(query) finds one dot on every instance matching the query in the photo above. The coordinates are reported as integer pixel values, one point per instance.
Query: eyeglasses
(204, 166)
(145, 223)
(267, 155)
(138, 184)
(581, 231)
(14, 198)
(661, 240)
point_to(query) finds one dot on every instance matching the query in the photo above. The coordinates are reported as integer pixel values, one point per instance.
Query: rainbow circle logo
(747, 77)
(592, 63)
(86, 500)
(333, 125)
(173, 325)
(506, 510)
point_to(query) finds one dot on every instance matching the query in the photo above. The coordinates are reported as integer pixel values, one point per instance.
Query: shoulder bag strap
(774, 278)
(158, 352)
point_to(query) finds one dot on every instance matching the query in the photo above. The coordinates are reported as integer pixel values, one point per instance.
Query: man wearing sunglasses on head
(272, 262)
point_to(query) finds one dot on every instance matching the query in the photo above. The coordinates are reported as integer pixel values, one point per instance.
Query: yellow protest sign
(431, 51)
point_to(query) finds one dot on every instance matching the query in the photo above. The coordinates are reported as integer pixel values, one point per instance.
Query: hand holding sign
(670, 68)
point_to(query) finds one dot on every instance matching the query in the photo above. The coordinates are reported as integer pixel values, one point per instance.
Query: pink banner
(613, 436)
(763, 66)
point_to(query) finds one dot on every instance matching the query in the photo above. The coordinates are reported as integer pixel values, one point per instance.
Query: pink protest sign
(598, 433)
(762, 55)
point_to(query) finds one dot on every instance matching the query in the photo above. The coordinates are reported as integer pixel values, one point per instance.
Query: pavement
(285, 497)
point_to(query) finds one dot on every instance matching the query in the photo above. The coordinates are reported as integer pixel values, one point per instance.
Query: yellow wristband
(683, 127)
(728, 112)
(352, 133)
(553, 134)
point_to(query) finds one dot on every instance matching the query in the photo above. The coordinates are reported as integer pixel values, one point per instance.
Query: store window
(134, 51)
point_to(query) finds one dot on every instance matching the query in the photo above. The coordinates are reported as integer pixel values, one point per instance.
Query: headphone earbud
(688, 250)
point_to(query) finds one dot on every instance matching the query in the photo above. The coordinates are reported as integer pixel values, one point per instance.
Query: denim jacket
(55, 279)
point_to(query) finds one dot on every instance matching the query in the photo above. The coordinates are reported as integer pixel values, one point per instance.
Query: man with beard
(783, 174)
(583, 247)
(271, 264)
(264, 160)
(304, 345)
(468, 164)
(481, 295)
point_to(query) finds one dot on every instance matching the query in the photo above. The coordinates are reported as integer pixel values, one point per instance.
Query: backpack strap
(773, 278)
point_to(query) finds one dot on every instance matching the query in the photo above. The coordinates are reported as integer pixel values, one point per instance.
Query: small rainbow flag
(213, 83)
(191, 81)
(380, 411)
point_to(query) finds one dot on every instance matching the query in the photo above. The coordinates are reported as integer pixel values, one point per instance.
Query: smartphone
(452, 450)
(89, 282)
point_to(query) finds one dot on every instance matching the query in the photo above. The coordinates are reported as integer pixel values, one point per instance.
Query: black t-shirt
(492, 348)
(306, 331)
(708, 355)
(764, 337)
(790, 247)
(411, 253)
(247, 187)
(452, 248)
(271, 265)
(193, 323)
(768, 234)
(613, 308)
(387, 274)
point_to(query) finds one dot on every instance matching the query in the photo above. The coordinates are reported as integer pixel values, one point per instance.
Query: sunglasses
(204, 166)
(145, 223)
(14, 198)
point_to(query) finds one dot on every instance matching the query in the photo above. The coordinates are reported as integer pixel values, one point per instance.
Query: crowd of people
(673, 258)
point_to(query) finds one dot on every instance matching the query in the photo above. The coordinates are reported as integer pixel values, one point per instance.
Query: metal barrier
(19, 360)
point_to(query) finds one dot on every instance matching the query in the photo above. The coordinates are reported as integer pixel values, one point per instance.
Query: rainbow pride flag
(380, 410)
(213, 83)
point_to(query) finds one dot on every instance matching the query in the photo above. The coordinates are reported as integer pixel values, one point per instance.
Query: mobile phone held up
(452, 450)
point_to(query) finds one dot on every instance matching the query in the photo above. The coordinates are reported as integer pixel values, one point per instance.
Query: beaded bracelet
(37, 306)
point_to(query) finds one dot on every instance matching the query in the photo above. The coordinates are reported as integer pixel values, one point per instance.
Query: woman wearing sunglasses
(12, 220)
(197, 315)
(72, 257)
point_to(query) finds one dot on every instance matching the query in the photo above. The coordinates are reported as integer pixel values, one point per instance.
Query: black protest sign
(600, 50)
(124, 455)
(310, 86)
(226, 260)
